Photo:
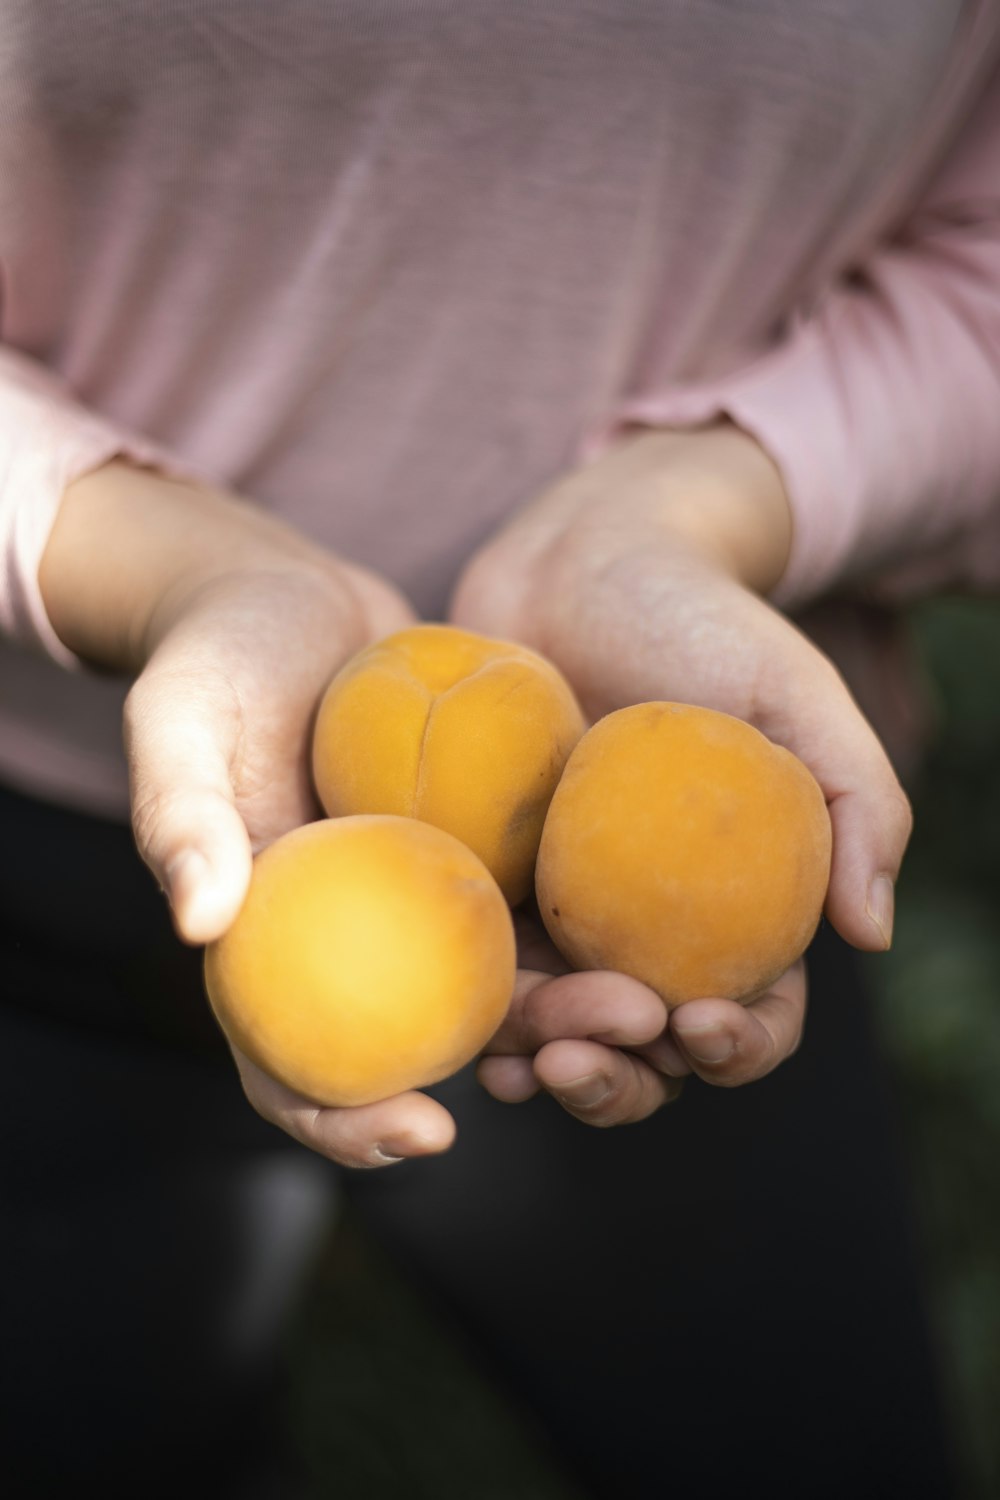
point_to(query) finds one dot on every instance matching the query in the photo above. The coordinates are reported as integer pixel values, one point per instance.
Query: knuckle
(601, 1112)
(902, 815)
(152, 811)
(638, 1101)
(890, 810)
(626, 1103)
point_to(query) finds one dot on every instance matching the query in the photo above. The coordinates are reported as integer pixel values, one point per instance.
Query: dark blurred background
(415, 1414)
(938, 999)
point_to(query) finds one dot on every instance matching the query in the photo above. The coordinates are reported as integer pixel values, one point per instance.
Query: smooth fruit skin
(685, 849)
(372, 955)
(465, 732)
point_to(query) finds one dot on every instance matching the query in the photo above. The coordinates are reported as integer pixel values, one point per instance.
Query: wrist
(129, 546)
(720, 493)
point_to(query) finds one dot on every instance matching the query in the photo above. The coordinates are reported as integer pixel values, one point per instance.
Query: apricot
(372, 955)
(685, 849)
(468, 733)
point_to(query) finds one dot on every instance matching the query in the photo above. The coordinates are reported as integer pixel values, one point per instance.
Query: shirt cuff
(47, 440)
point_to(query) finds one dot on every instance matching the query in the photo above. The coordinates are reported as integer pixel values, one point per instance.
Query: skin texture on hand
(639, 577)
(235, 625)
(631, 575)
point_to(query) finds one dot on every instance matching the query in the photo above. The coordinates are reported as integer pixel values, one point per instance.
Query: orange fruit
(683, 848)
(372, 955)
(468, 733)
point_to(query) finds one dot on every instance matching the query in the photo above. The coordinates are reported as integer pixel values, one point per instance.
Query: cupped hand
(217, 729)
(641, 576)
(605, 1048)
(235, 624)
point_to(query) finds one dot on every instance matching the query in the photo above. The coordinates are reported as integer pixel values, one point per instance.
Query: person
(725, 296)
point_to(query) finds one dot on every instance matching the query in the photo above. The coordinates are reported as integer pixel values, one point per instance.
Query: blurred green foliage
(938, 996)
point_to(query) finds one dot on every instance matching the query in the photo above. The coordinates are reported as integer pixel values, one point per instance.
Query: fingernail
(382, 1154)
(880, 906)
(585, 1093)
(707, 1044)
(400, 1147)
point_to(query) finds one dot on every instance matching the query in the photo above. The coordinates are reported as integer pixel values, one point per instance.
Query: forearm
(129, 546)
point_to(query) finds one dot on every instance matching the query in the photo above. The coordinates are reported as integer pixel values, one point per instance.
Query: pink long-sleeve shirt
(390, 266)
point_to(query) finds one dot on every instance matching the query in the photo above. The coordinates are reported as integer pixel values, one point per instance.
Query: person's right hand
(234, 624)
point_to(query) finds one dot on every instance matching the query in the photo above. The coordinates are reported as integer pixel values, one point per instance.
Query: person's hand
(234, 624)
(594, 1041)
(641, 576)
(601, 1045)
(873, 648)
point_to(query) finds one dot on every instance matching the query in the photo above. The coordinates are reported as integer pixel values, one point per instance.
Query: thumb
(180, 735)
(869, 810)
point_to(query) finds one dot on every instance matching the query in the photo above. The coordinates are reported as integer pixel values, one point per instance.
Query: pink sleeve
(46, 441)
(882, 408)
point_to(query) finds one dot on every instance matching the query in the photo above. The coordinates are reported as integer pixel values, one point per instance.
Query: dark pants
(722, 1299)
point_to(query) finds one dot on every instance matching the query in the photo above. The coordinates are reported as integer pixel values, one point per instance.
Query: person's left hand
(640, 576)
(601, 1045)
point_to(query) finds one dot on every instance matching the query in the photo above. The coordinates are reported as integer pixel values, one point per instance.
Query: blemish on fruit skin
(525, 815)
(555, 911)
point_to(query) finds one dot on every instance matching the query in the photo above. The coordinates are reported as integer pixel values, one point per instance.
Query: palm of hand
(218, 724)
(218, 731)
(597, 577)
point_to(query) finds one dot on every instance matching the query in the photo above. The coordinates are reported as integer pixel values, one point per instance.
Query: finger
(369, 1135)
(665, 1056)
(385, 609)
(796, 696)
(730, 1044)
(869, 810)
(600, 1085)
(180, 733)
(870, 835)
(511, 1080)
(607, 1007)
(871, 647)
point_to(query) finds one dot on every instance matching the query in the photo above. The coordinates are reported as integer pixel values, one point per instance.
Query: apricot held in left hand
(371, 955)
(683, 848)
(468, 733)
